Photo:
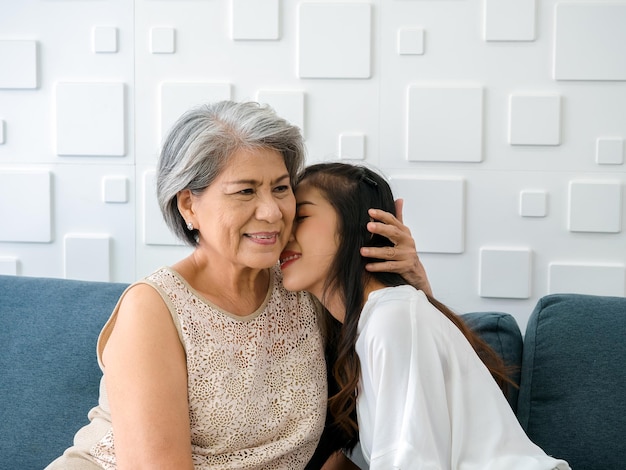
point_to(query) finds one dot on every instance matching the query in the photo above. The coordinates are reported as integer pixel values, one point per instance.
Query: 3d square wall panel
(534, 119)
(595, 206)
(177, 98)
(505, 273)
(115, 189)
(2, 131)
(287, 104)
(155, 231)
(255, 19)
(90, 119)
(533, 203)
(162, 40)
(437, 212)
(92, 247)
(104, 39)
(592, 279)
(509, 20)
(410, 41)
(19, 64)
(609, 151)
(334, 40)
(8, 266)
(589, 41)
(445, 124)
(25, 219)
(352, 146)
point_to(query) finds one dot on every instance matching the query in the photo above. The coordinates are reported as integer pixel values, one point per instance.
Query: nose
(268, 209)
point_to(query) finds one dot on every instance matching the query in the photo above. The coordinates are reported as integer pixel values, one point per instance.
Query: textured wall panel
(410, 41)
(176, 98)
(155, 231)
(609, 151)
(255, 19)
(25, 206)
(592, 279)
(328, 47)
(505, 273)
(8, 266)
(162, 40)
(595, 206)
(18, 64)
(509, 20)
(352, 146)
(104, 39)
(2, 131)
(535, 119)
(590, 41)
(92, 247)
(533, 203)
(90, 119)
(115, 189)
(437, 212)
(445, 124)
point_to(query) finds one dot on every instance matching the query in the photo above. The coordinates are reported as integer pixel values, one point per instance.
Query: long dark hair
(352, 190)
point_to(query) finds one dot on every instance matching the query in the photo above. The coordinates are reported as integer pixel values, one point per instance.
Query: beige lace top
(257, 384)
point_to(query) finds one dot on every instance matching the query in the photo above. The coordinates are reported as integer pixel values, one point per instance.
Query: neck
(337, 308)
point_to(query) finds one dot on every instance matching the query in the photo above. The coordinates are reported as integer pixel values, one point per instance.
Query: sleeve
(403, 369)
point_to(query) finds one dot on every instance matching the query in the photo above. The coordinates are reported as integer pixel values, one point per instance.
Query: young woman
(404, 363)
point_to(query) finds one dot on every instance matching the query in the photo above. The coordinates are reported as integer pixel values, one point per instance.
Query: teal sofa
(571, 366)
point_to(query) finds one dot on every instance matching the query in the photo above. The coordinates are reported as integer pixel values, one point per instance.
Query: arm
(146, 382)
(402, 258)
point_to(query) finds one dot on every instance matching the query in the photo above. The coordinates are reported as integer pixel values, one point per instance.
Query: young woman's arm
(402, 258)
(146, 382)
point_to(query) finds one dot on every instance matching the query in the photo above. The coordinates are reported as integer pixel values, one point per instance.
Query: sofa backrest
(49, 375)
(572, 398)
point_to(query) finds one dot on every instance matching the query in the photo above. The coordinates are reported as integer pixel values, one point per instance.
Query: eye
(283, 188)
(246, 192)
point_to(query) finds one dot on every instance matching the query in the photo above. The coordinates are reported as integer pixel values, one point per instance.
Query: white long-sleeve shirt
(426, 401)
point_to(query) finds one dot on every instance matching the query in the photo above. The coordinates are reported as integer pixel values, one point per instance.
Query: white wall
(501, 122)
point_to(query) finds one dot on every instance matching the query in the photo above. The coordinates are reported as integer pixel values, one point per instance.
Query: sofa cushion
(49, 375)
(572, 399)
(502, 333)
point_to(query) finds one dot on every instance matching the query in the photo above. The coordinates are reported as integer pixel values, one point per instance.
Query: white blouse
(426, 401)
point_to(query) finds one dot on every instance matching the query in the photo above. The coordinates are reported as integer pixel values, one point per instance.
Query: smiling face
(245, 216)
(306, 261)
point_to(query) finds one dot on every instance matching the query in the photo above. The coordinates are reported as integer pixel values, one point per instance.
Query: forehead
(258, 161)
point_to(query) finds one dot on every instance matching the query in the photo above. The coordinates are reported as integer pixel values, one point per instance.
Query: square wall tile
(590, 279)
(534, 119)
(437, 215)
(19, 64)
(104, 39)
(87, 257)
(255, 19)
(533, 203)
(155, 230)
(162, 40)
(609, 151)
(177, 98)
(595, 206)
(445, 124)
(2, 131)
(509, 20)
(115, 189)
(26, 219)
(410, 41)
(352, 146)
(287, 104)
(505, 273)
(589, 39)
(90, 119)
(334, 40)
(8, 266)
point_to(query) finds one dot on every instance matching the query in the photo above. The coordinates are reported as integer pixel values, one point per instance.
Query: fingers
(399, 207)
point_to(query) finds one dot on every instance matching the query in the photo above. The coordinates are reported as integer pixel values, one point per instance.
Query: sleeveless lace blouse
(257, 384)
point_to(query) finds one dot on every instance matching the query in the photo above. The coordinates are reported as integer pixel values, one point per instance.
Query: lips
(263, 238)
(287, 257)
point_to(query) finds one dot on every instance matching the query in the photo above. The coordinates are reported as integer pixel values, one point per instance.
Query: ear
(184, 202)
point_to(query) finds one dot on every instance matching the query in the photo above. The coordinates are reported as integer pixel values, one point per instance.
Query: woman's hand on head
(401, 258)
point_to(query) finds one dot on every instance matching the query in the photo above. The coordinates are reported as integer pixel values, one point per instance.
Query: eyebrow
(254, 182)
(304, 203)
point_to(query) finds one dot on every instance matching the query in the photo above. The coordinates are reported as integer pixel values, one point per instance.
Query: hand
(402, 258)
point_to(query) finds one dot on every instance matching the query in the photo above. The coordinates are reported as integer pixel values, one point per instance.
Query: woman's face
(245, 216)
(307, 258)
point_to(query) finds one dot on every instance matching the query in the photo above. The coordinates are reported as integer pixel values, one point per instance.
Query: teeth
(289, 258)
(263, 237)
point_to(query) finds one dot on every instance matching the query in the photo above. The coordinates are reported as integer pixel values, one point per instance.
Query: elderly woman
(211, 363)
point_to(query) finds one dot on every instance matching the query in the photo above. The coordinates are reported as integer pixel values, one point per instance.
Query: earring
(189, 226)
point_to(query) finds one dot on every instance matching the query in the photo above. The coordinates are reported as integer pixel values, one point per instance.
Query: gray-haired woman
(211, 363)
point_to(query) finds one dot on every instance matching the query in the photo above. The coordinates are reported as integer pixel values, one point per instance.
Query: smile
(288, 257)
